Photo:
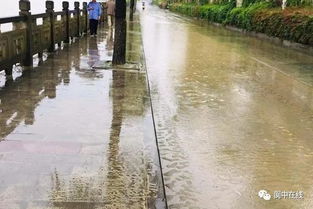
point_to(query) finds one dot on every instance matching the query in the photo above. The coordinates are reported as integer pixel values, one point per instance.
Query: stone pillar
(77, 13)
(24, 6)
(50, 12)
(238, 3)
(284, 3)
(65, 6)
(85, 5)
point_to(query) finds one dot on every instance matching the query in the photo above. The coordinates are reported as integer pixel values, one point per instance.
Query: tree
(132, 10)
(119, 54)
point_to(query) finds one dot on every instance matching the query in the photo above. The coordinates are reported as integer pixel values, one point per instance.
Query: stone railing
(29, 38)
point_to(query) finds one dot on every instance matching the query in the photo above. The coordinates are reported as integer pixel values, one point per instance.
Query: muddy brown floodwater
(234, 115)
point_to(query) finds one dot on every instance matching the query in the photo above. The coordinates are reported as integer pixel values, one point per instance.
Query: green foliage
(203, 2)
(242, 17)
(159, 2)
(294, 3)
(286, 25)
(218, 13)
(294, 24)
(246, 3)
(212, 12)
(187, 9)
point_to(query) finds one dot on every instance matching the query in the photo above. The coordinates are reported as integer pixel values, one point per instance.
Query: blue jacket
(95, 13)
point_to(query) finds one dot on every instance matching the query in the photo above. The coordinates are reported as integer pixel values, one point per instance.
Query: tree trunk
(132, 9)
(119, 42)
(120, 33)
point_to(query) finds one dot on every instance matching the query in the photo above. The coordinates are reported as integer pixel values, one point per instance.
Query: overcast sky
(10, 7)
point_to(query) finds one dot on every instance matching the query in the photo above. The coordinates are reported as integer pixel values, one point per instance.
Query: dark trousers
(93, 24)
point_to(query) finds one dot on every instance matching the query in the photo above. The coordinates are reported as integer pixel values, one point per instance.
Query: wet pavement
(74, 137)
(234, 115)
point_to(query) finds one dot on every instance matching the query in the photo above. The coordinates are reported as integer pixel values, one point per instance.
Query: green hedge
(298, 3)
(160, 3)
(243, 16)
(289, 25)
(213, 12)
(294, 24)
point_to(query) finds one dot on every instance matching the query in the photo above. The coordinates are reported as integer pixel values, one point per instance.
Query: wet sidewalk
(75, 137)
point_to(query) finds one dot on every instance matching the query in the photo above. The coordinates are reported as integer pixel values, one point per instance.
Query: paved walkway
(74, 137)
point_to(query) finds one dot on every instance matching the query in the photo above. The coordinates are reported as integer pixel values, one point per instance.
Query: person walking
(95, 10)
(111, 12)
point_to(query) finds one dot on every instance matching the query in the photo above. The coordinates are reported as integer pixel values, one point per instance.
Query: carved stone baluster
(50, 12)
(77, 14)
(24, 6)
(85, 5)
(65, 5)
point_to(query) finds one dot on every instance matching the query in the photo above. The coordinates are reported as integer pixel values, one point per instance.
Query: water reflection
(19, 98)
(116, 185)
(83, 143)
(121, 179)
(110, 42)
(93, 52)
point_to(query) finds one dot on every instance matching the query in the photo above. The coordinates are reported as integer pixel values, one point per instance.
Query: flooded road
(234, 115)
(72, 137)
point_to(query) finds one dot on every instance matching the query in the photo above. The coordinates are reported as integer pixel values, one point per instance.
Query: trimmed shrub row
(294, 24)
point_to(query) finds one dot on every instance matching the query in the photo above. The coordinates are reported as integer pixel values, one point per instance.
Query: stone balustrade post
(24, 7)
(77, 13)
(85, 6)
(50, 12)
(65, 6)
